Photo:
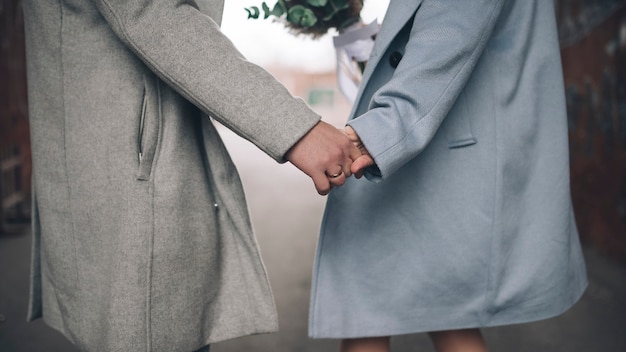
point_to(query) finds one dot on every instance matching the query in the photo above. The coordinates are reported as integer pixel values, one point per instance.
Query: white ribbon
(353, 45)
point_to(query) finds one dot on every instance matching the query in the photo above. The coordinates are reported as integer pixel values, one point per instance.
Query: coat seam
(496, 182)
(81, 302)
(152, 191)
(238, 250)
(149, 270)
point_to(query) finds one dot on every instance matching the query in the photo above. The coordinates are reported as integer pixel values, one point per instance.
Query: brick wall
(14, 133)
(593, 48)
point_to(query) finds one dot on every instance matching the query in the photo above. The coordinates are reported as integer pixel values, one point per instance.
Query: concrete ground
(286, 212)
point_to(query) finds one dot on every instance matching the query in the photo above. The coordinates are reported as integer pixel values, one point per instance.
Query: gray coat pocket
(149, 128)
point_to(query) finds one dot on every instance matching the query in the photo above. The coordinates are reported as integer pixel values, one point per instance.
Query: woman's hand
(365, 160)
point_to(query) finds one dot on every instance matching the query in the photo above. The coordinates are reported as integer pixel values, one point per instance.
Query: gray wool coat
(142, 240)
(470, 222)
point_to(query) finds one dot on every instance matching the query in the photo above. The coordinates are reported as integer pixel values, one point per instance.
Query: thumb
(360, 164)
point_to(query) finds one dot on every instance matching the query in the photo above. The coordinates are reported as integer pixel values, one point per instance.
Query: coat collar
(398, 13)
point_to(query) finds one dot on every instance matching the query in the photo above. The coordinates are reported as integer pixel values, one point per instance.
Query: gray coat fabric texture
(467, 219)
(142, 240)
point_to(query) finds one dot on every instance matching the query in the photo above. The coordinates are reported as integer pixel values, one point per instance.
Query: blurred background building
(593, 49)
(14, 140)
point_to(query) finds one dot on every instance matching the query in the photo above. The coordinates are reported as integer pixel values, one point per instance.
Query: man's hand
(326, 155)
(362, 161)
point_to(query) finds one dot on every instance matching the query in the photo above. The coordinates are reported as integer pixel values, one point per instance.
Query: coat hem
(417, 325)
(258, 331)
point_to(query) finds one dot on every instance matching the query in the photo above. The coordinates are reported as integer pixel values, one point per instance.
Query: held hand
(326, 155)
(365, 159)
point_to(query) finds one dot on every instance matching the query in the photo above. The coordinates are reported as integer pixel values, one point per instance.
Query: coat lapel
(398, 13)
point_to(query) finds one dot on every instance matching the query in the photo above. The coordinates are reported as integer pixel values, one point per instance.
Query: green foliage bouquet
(311, 17)
(353, 42)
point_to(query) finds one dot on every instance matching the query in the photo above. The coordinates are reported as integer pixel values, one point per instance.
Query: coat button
(394, 59)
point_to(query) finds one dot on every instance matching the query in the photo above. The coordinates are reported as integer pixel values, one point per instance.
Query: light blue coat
(468, 221)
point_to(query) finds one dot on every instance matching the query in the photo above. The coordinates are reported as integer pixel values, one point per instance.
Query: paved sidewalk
(286, 212)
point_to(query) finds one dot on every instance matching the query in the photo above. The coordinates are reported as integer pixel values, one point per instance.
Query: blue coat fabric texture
(466, 219)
